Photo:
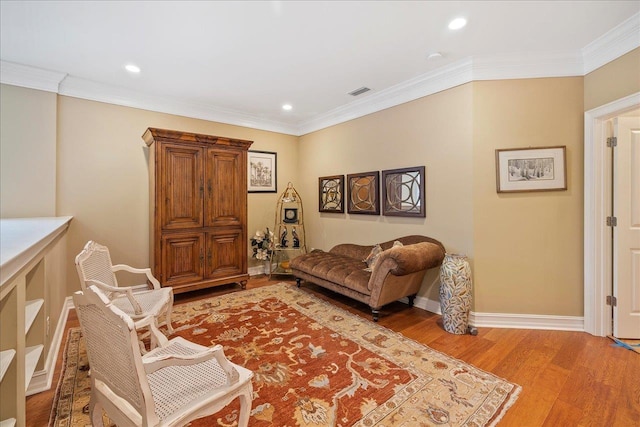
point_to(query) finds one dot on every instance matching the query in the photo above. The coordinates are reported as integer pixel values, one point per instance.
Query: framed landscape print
(531, 169)
(331, 194)
(363, 195)
(262, 171)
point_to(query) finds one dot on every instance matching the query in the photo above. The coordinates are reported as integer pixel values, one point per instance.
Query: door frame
(597, 204)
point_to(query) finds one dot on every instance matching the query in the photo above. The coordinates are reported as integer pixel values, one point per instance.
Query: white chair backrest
(114, 354)
(94, 263)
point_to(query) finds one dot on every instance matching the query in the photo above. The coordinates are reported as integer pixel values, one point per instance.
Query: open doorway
(598, 196)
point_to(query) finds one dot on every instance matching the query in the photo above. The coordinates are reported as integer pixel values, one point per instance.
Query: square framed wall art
(331, 194)
(363, 193)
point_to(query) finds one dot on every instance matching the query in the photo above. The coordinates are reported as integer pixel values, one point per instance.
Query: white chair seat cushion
(175, 387)
(150, 301)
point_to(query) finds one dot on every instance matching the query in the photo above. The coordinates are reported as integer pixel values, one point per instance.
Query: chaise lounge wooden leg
(298, 281)
(376, 314)
(412, 298)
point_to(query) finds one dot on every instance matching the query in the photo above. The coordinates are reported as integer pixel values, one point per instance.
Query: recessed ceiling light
(457, 23)
(287, 107)
(132, 68)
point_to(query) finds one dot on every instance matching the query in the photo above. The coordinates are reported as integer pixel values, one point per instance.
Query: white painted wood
(23, 239)
(11, 422)
(31, 310)
(32, 355)
(6, 357)
(597, 240)
(626, 234)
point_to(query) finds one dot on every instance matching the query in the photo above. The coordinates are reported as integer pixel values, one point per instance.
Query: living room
(66, 152)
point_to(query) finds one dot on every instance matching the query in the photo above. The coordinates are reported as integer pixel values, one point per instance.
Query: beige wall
(103, 174)
(27, 152)
(434, 131)
(528, 246)
(615, 80)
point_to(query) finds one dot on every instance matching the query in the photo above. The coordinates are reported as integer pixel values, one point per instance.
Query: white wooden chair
(139, 301)
(177, 382)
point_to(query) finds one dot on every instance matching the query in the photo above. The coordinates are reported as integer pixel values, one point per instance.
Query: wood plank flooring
(567, 378)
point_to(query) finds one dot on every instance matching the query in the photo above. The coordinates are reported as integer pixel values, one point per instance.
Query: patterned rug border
(489, 411)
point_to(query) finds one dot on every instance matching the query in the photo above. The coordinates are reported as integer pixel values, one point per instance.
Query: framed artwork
(403, 192)
(531, 169)
(331, 194)
(262, 169)
(363, 195)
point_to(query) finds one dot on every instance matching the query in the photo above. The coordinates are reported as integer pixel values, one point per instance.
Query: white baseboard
(42, 380)
(510, 320)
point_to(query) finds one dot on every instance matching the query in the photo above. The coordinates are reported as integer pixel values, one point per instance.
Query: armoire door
(182, 258)
(226, 188)
(225, 253)
(181, 187)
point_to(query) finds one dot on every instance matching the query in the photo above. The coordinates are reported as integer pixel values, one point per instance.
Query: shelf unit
(25, 341)
(289, 238)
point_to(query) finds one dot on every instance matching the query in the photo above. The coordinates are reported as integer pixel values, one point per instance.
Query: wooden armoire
(198, 209)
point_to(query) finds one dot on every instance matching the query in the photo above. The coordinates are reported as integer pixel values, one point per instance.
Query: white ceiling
(239, 62)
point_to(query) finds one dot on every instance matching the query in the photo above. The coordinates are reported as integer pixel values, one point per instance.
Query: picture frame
(363, 193)
(262, 172)
(331, 194)
(531, 169)
(403, 192)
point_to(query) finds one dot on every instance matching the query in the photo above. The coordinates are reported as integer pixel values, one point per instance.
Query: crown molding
(86, 89)
(613, 44)
(30, 77)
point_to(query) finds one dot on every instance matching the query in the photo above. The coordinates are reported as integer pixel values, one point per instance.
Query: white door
(626, 234)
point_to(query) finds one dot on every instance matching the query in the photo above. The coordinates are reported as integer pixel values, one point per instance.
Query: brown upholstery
(397, 274)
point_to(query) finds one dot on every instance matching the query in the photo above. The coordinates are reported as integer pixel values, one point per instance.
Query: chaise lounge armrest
(408, 259)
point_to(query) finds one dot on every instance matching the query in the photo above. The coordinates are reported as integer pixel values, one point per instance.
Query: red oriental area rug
(317, 365)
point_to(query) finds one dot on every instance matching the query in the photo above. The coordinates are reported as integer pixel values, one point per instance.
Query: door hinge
(612, 141)
(612, 221)
(612, 301)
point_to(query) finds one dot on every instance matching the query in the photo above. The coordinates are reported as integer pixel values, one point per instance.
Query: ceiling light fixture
(457, 23)
(132, 68)
(287, 107)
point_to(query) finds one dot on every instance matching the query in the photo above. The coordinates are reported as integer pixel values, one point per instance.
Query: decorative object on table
(296, 238)
(531, 169)
(263, 172)
(403, 192)
(363, 193)
(290, 215)
(455, 293)
(283, 238)
(261, 243)
(331, 194)
(289, 211)
(391, 377)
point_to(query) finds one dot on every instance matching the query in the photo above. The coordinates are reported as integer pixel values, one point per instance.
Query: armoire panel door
(181, 193)
(226, 187)
(182, 258)
(225, 250)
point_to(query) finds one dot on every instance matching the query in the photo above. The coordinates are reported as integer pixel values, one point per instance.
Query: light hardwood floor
(567, 378)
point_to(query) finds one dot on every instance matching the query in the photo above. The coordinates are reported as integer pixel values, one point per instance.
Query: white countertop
(21, 239)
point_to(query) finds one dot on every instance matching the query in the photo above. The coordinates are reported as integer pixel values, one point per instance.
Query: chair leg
(95, 413)
(168, 319)
(412, 299)
(298, 281)
(245, 407)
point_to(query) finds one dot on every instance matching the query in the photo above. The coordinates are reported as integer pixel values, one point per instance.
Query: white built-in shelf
(6, 357)
(31, 310)
(32, 355)
(8, 423)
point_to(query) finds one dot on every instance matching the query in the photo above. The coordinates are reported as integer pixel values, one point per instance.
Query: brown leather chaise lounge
(397, 273)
